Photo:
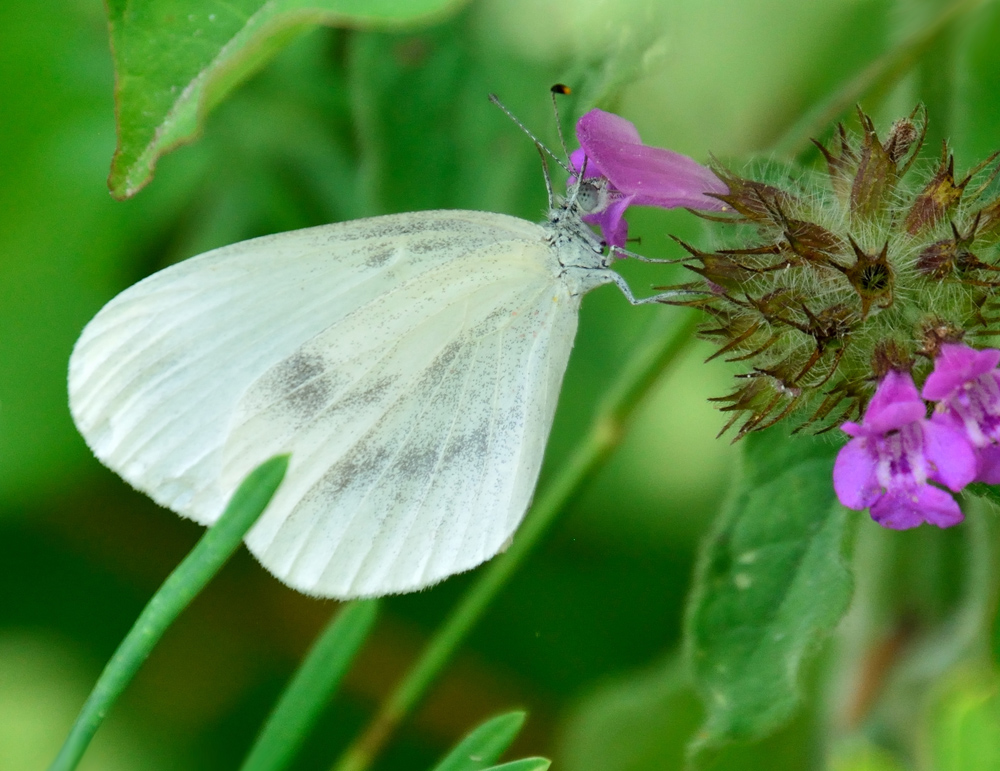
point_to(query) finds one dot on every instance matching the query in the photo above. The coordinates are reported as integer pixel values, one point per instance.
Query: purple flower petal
(956, 365)
(600, 126)
(576, 159)
(614, 228)
(903, 509)
(896, 402)
(853, 429)
(854, 478)
(896, 450)
(988, 465)
(653, 175)
(950, 453)
(967, 385)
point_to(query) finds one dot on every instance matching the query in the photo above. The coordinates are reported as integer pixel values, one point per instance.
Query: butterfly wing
(410, 364)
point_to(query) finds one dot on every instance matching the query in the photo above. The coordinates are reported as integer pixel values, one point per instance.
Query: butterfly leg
(656, 298)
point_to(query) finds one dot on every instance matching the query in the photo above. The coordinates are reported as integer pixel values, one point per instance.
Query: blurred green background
(345, 124)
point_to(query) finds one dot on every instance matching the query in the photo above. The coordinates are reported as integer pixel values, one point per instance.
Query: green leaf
(983, 490)
(177, 59)
(484, 745)
(311, 688)
(205, 560)
(528, 764)
(771, 583)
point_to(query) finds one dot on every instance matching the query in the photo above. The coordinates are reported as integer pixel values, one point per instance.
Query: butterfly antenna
(526, 130)
(556, 90)
(547, 176)
(575, 188)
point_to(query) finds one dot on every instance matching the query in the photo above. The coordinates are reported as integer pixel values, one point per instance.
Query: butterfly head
(591, 195)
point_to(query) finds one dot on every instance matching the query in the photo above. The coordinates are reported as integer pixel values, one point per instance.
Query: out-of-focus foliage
(646, 720)
(863, 756)
(347, 123)
(963, 722)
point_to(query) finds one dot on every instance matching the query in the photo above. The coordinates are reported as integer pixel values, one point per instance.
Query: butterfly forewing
(410, 363)
(416, 426)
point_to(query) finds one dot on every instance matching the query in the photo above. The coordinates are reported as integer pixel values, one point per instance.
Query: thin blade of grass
(211, 552)
(527, 764)
(311, 688)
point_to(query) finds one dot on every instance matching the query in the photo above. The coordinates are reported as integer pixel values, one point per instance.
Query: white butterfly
(409, 363)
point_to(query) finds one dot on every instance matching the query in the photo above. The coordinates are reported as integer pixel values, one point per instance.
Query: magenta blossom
(966, 384)
(637, 174)
(896, 451)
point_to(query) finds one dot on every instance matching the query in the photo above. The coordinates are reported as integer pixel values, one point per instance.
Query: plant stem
(660, 349)
(182, 585)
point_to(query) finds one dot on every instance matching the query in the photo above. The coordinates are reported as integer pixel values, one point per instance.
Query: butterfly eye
(592, 195)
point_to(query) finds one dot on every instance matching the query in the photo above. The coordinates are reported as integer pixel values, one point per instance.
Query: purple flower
(637, 174)
(895, 452)
(966, 384)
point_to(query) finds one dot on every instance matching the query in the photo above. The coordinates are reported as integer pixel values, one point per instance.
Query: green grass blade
(182, 585)
(528, 764)
(311, 688)
(484, 744)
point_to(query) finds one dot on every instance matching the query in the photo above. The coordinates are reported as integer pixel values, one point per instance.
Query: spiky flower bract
(831, 279)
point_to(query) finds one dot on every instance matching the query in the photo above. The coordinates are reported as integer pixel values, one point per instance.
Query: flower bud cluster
(830, 280)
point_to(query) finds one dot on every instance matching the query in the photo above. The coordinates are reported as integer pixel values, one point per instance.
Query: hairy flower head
(829, 280)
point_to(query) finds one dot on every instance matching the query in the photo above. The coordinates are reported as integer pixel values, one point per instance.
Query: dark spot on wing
(358, 398)
(426, 245)
(301, 385)
(358, 468)
(297, 369)
(440, 366)
(379, 256)
(470, 446)
(306, 401)
(417, 462)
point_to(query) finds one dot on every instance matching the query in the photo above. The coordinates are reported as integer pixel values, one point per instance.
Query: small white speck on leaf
(748, 557)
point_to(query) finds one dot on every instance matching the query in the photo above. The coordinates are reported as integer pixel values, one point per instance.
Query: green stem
(878, 76)
(311, 688)
(659, 350)
(937, 88)
(182, 585)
